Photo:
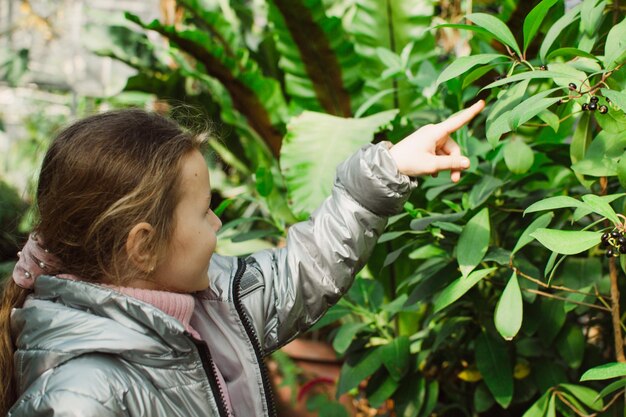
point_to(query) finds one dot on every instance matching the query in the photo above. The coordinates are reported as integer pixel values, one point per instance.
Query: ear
(136, 247)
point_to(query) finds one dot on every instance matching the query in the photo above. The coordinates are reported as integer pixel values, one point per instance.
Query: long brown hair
(100, 177)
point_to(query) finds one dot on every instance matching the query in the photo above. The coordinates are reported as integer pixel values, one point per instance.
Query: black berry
(622, 249)
(609, 253)
(615, 234)
(594, 99)
(593, 106)
(585, 106)
(603, 109)
(543, 68)
(605, 236)
(572, 86)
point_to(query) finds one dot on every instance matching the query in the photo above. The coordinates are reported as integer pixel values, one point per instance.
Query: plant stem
(545, 124)
(392, 46)
(615, 313)
(567, 300)
(392, 285)
(570, 405)
(555, 287)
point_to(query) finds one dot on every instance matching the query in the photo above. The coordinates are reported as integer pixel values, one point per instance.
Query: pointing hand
(430, 149)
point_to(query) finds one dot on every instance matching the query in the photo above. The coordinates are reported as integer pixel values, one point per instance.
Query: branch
(567, 300)
(556, 287)
(615, 313)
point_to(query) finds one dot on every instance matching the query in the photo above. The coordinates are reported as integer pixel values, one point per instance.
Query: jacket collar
(64, 319)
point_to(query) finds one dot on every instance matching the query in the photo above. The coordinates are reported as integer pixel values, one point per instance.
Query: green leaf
(584, 210)
(581, 138)
(540, 222)
(223, 66)
(612, 122)
(427, 252)
(621, 170)
(432, 398)
(552, 203)
(223, 205)
(499, 117)
(518, 156)
(550, 118)
(557, 29)
(587, 396)
(395, 356)
(313, 147)
(570, 75)
(566, 242)
(372, 26)
(534, 19)
(379, 388)
(539, 408)
(410, 398)
(595, 167)
(532, 106)
(464, 63)
(483, 400)
(509, 310)
(316, 55)
(612, 387)
(497, 128)
(476, 74)
(528, 75)
(482, 191)
(345, 335)
(600, 206)
(570, 52)
(473, 242)
(606, 371)
(551, 411)
(617, 97)
(460, 286)
(357, 368)
(615, 45)
(496, 27)
(264, 181)
(494, 364)
(591, 16)
(571, 346)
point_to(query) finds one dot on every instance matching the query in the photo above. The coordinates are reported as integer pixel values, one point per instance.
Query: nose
(215, 222)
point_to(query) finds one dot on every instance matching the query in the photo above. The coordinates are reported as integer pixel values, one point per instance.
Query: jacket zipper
(256, 344)
(209, 369)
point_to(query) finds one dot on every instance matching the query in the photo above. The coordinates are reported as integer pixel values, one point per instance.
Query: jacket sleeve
(62, 403)
(323, 254)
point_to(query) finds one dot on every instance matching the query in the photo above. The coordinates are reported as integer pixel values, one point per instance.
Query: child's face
(186, 266)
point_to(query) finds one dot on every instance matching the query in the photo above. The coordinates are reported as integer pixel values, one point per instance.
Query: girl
(118, 305)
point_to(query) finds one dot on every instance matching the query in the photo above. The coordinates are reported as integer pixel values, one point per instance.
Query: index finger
(460, 119)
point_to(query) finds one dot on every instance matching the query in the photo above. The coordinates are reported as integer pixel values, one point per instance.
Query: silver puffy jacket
(85, 350)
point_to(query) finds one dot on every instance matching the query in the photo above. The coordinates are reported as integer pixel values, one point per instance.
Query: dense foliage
(492, 295)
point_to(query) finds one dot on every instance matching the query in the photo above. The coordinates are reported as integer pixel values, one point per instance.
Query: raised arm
(324, 253)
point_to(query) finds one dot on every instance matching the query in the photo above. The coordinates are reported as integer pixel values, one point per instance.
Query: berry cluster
(593, 106)
(615, 241)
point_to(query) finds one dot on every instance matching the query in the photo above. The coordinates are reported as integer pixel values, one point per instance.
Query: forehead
(195, 175)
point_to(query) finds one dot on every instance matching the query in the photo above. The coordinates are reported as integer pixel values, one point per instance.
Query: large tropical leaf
(320, 65)
(315, 144)
(253, 95)
(393, 25)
